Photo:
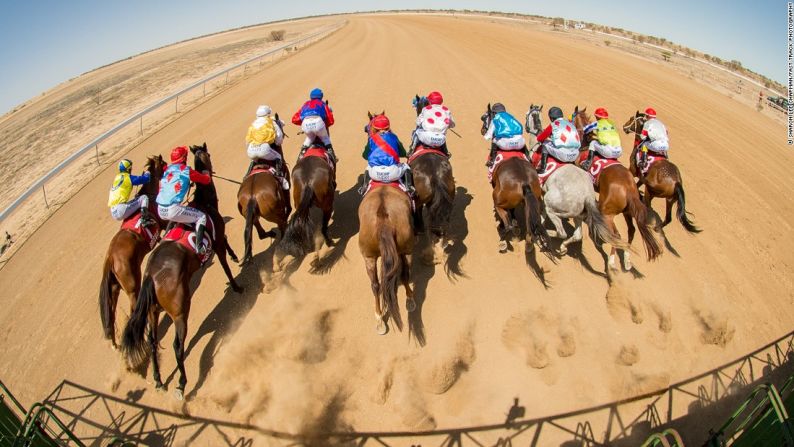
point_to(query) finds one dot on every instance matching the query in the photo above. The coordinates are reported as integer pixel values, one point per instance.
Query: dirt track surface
(300, 353)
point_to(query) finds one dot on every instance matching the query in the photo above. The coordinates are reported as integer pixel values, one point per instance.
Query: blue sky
(47, 42)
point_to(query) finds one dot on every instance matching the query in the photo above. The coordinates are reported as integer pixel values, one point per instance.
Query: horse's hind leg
(232, 254)
(419, 221)
(610, 220)
(575, 237)
(560, 232)
(154, 319)
(410, 304)
(668, 212)
(505, 230)
(180, 325)
(328, 211)
(221, 249)
(372, 271)
(631, 229)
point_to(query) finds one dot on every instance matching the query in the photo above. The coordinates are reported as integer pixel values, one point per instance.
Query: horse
(435, 188)
(387, 232)
(515, 181)
(313, 184)
(261, 196)
(568, 194)
(166, 285)
(122, 268)
(619, 195)
(662, 180)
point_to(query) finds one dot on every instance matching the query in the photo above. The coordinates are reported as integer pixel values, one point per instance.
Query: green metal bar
(14, 400)
(33, 416)
(655, 440)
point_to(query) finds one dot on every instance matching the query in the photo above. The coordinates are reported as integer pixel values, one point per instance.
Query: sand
(298, 352)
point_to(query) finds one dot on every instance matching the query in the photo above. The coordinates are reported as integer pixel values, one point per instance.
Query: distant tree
(666, 56)
(641, 38)
(735, 65)
(607, 43)
(277, 35)
(557, 21)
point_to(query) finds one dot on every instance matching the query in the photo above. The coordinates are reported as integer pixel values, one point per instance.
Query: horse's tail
(106, 298)
(297, 240)
(681, 211)
(639, 212)
(598, 228)
(249, 223)
(533, 223)
(391, 265)
(133, 341)
(440, 208)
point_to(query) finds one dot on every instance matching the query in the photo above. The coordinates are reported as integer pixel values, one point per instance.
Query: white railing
(137, 119)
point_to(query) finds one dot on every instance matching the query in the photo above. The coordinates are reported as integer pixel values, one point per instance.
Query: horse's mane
(204, 196)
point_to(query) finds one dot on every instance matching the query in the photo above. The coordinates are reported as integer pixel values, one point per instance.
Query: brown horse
(663, 178)
(166, 285)
(313, 184)
(515, 181)
(435, 188)
(617, 194)
(261, 196)
(387, 232)
(122, 269)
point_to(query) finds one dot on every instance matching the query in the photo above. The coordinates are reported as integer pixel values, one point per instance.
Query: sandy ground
(299, 353)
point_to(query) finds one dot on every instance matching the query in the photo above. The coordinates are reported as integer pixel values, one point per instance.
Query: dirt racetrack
(299, 353)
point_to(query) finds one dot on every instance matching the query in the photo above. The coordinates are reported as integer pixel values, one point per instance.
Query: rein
(227, 179)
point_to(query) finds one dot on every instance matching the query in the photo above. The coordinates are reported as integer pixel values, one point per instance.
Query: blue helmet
(316, 94)
(125, 165)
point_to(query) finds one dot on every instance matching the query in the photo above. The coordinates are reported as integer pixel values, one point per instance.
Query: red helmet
(435, 98)
(601, 113)
(650, 112)
(381, 122)
(179, 154)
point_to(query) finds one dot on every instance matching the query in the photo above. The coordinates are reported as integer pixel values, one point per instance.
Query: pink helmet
(601, 113)
(650, 112)
(179, 154)
(381, 122)
(435, 98)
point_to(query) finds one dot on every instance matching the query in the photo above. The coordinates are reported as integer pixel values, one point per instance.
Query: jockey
(174, 187)
(505, 133)
(432, 124)
(382, 152)
(264, 139)
(315, 117)
(653, 138)
(118, 199)
(560, 138)
(607, 141)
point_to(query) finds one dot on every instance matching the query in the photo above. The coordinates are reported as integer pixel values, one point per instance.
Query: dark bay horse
(313, 184)
(387, 233)
(166, 285)
(515, 181)
(261, 196)
(122, 269)
(662, 180)
(435, 188)
(617, 194)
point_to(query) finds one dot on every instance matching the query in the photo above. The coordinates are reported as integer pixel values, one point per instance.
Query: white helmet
(263, 111)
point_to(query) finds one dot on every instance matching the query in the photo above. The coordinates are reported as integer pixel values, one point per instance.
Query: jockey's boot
(302, 151)
(491, 156)
(200, 249)
(147, 220)
(525, 151)
(443, 148)
(363, 188)
(643, 159)
(250, 168)
(330, 148)
(408, 179)
(586, 164)
(543, 159)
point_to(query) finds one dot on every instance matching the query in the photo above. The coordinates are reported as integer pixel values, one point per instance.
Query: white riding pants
(127, 209)
(314, 127)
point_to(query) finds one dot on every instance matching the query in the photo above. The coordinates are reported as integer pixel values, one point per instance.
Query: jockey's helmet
(498, 107)
(125, 166)
(179, 154)
(316, 94)
(381, 122)
(435, 98)
(263, 110)
(650, 112)
(555, 113)
(601, 113)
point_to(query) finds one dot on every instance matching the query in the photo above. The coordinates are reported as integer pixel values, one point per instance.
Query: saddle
(650, 158)
(374, 184)
(185, 235)
(318, 150)
(502, 156)
(279, 172)
(598, 165)
(552, 164)
(150, 233)
(422, 150)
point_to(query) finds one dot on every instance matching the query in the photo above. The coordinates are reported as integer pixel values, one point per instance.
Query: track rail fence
(134, 129)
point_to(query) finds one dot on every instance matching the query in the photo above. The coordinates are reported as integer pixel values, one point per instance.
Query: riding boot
(525, 151)
(543, 159)
(200, 249)
(330, 149)
(302, 151)
(491, 156)
(364, 184)
(643, 159)
(408, 179)
(445, 150)
(589, 161)
(146, 217)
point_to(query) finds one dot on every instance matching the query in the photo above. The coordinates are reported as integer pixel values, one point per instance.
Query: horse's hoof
(627, 261)
(612, 263)
(159, 387)
(563, 250)
(179, 394)
(381, 328)
(410, 305)
(114, 346)
(502, 247)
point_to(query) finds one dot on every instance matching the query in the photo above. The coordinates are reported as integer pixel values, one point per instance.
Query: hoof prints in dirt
(528, 333)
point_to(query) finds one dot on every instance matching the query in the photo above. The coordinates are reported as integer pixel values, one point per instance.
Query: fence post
(96, 150)
(44, 191)
(176, 105)
(227, 79)
(205, 89)
(141, 125)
